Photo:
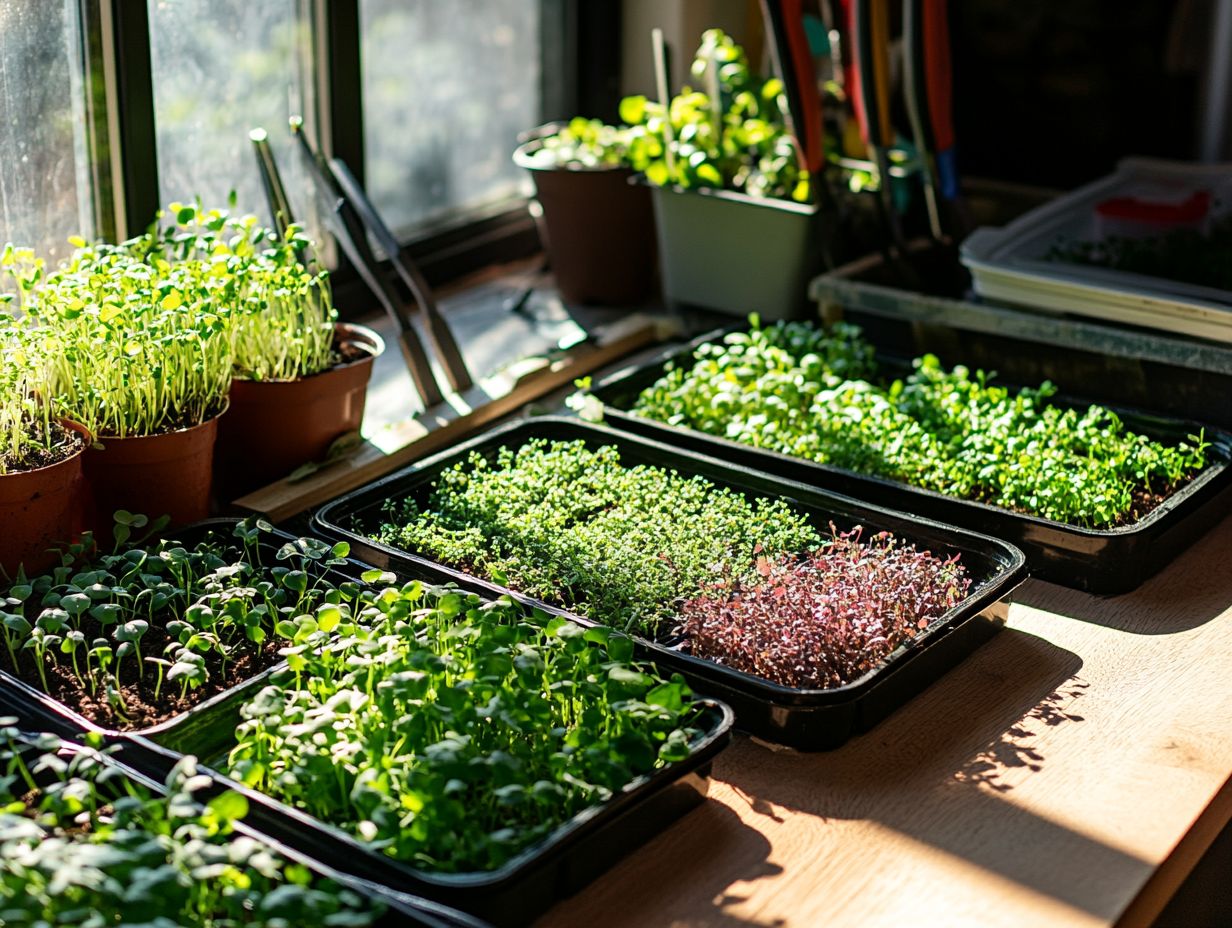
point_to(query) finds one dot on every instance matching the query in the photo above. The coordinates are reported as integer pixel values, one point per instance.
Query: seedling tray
(573, 856)
(808, 719)
(54, 716)
(1105, 561)
(401, 910)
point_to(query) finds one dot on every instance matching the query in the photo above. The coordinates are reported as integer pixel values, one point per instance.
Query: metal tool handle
(349, 231)
(447, 350)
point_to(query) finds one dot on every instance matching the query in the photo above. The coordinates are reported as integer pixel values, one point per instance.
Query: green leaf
(229, 806)
(633, 109)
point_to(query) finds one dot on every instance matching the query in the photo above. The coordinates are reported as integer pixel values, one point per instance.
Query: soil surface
(64, 444)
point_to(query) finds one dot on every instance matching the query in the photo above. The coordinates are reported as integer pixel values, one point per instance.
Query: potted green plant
(300, 377)
(40, 456)
(737, 226)
(139, 352)
(596, 224)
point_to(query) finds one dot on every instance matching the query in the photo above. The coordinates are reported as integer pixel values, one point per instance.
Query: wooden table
(1071, 772)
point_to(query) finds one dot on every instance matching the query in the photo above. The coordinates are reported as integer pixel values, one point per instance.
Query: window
(45, 188)
(221, 68)
(447, 87)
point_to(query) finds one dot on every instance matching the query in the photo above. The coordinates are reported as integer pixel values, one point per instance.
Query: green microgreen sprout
(453, 733)
(577, 528)
(814, 393)
(83, 844)
(193, 614)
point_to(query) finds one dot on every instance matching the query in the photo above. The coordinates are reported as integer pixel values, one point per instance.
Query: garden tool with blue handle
(928, 87)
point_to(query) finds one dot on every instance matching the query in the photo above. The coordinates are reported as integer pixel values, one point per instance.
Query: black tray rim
(1218, 438)
(993, 589)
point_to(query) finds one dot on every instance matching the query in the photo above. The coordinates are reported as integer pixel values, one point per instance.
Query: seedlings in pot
(824, 620)
(581, 144)
(30, 437)
(282, 320)
(728, 130)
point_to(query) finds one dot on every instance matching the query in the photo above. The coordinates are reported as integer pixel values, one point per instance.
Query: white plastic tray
(1007, 264)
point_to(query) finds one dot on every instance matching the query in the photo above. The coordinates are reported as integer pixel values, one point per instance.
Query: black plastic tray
(573, 856)
(401, 910)
(808, 719)
(1105, 561)
(54, 716)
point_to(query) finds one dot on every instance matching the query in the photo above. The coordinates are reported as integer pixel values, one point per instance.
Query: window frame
(579, 74)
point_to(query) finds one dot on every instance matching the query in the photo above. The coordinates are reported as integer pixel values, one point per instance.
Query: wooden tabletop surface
(1070, 772)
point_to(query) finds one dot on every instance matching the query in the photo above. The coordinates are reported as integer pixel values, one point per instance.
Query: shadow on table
(1189, 592)
(942, 771)
(663, 882)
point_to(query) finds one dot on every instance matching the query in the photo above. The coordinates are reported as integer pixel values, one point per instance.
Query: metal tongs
(348, 226)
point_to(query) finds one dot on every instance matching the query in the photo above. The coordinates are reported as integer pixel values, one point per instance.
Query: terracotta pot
(167, 474)
(598, 229)
(41, 508)
(274, 426)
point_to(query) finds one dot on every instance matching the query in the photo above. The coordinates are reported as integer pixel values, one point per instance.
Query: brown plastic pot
(598, 229)
(42, 508)
(167, 474)
(274, 426)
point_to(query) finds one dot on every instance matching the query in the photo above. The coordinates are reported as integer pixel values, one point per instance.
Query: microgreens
(82, 844)
(823, 620)
(282, 318)
(452, 733)
(801, 390)
(136, 345)
(29, 437)
(728, 133)
(139, 634)
(576, 528)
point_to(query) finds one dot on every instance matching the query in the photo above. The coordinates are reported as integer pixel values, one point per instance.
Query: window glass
(447, 87)
(222, 68)
(44, 178)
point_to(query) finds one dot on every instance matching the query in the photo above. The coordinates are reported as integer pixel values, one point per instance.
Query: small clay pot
(42, 509)
(155, 475)
(598, 229)
(274, 426)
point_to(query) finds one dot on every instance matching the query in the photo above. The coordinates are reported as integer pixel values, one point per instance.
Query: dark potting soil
(64, 444)
(141, 708)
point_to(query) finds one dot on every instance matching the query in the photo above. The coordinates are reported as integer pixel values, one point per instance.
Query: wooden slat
(415, 438)
(1070, 772)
